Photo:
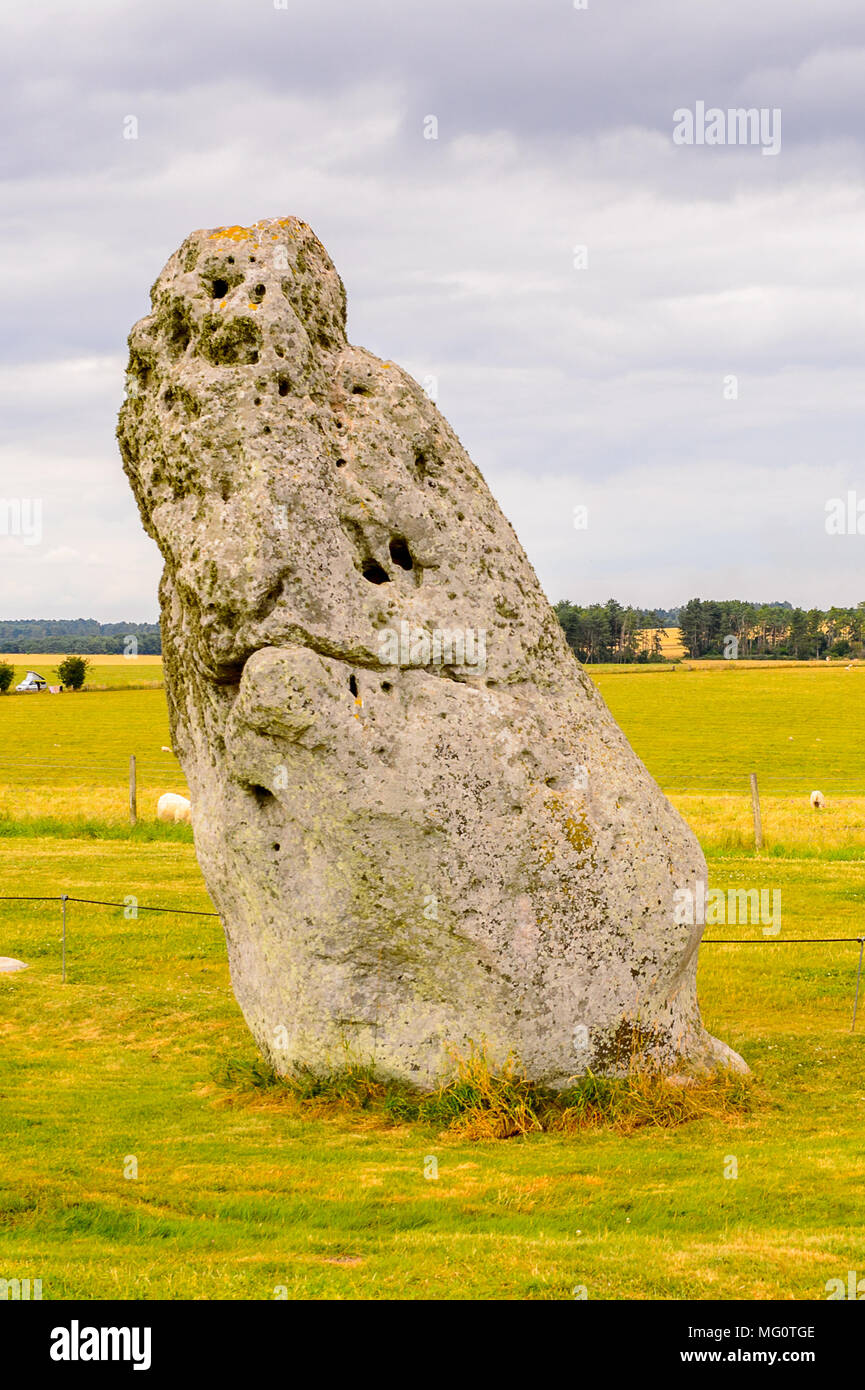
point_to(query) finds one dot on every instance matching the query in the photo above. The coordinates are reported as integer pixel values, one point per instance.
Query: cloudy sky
(693, 377)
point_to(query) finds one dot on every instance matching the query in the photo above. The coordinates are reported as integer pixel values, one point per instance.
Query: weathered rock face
(415, 814)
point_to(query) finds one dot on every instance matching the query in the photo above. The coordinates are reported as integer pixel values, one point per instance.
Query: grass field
(239, 1193)
(702, 731)
(67, 756)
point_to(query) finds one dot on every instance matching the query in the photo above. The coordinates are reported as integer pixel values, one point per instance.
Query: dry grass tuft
(483, 1101)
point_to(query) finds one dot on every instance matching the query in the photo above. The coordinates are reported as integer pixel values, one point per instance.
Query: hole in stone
(261, 794)
(352, 684)
(219, 289)
(261, 291)
(340, 463)
(283, 386)
(231, 260)
(400, 553)
(276, 848)
(257, 400)
(386, 685)
(373, 571)
(360, 390)
(252, 258)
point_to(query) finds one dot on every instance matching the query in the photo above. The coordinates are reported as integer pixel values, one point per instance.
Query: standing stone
(412, 808)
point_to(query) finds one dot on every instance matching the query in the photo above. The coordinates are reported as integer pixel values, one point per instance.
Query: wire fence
(115, 769)
(130, 776)
(65, 898)
(157, 771)
(804, 789)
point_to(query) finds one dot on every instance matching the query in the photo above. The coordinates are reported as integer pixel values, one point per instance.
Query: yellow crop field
(107, 672)
(672, 646)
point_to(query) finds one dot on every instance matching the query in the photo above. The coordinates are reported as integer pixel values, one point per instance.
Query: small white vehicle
(32, 681)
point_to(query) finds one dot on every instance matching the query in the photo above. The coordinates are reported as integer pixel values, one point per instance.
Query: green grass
(67, 756)
(84, 828)
(793, 726)
(246, 1186)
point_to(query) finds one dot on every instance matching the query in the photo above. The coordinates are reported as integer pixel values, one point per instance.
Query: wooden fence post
(133, 792)
(758, 821)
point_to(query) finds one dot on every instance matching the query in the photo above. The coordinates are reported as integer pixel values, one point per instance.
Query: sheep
(818, 801)
(171, 807)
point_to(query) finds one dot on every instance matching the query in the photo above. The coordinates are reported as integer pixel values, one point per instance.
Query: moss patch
(229, 342)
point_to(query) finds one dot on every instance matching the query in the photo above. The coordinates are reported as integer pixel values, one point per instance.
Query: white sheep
(818, 801)
(171, 807)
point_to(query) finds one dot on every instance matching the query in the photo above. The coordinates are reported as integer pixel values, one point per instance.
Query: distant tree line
(771, 630)
(609, 632)
(82, 636)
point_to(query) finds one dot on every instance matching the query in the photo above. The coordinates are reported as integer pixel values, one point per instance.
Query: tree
(798, 632)
(598, 637)
(691, 627)
(72, 671)
(7, 675)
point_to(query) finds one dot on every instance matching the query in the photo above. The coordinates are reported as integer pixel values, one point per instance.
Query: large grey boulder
(414, 812)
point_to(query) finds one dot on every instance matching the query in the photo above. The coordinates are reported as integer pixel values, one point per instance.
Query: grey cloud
(555, 130)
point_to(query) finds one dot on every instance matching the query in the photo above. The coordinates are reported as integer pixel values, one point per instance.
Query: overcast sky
(597, 379)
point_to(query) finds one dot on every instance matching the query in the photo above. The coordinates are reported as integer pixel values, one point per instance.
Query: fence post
(63, 901)
(758, 821)
(858, 979)
(133, 792)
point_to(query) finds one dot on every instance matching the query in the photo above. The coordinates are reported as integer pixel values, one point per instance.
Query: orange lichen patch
(255, 233)
(577, 832)
(231, 234)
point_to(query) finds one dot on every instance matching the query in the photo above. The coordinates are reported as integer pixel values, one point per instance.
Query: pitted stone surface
(411, 843)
